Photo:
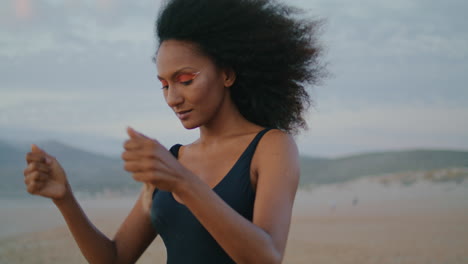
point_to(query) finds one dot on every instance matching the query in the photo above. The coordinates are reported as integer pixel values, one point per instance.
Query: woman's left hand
(151, 163)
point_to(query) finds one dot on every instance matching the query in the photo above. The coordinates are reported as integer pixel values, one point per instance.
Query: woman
(237, 70)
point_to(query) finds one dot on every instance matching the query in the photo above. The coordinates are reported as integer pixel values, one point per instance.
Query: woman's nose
(173, 97)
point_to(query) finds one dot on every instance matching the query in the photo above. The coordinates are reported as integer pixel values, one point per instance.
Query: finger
(34, 187)
(147, 152)
(141, 165)
(131, 156)
(132, 144)
(144, 176)
(36, 166)
(31, 188)
(36, 149)
(152, 148)
(35, 157)
(132, 133)
(148, 164)
(140, 154)
(30, 179)
(35, 176)
(133, 166)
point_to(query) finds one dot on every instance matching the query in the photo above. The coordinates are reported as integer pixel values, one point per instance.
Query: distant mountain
(322, 171)
(9, 154)
(86, 171)
(90, 172)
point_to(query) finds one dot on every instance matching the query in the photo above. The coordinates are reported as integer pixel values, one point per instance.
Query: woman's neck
(228, 122)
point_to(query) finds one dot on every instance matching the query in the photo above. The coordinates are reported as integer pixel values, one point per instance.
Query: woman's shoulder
(277, 160)
(276, 148)
(276, 140)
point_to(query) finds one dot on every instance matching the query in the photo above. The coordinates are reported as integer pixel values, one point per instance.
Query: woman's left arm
(263, 240)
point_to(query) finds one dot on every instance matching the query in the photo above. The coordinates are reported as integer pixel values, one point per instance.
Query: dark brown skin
(224, 135)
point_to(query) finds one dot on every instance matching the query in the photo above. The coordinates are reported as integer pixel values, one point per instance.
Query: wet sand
(360, 222)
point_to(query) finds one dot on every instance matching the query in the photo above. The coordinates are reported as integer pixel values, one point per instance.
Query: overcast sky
(81, 71)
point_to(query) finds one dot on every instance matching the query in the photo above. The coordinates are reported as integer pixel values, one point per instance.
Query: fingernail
(48, 160)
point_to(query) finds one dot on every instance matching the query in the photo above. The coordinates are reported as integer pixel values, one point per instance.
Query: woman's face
(194, 88)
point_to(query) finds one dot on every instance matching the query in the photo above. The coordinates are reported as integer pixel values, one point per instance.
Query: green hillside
(89, 172)
(322, 171)
(86, 171)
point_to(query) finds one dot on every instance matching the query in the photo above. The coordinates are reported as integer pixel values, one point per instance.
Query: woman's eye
(185, 79)
(164, 84)
(187, 82)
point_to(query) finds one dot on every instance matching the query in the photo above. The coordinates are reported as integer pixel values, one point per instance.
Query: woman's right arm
(45, 177)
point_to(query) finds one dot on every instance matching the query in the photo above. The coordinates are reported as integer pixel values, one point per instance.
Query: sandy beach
(359, 222)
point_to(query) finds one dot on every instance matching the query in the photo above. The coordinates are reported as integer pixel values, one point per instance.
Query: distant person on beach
(238, 71)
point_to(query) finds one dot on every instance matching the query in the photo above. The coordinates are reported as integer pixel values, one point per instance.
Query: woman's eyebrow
(173, 75)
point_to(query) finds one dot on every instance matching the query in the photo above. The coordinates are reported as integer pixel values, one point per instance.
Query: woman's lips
(183, 114)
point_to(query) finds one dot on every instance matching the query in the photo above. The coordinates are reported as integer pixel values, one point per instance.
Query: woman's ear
(229, 77)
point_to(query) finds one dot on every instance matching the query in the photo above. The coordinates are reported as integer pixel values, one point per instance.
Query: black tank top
(186, 240)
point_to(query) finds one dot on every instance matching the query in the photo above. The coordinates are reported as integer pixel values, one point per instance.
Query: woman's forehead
(174, 54)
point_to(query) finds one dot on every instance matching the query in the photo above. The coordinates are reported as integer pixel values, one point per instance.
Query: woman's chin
(189, 125)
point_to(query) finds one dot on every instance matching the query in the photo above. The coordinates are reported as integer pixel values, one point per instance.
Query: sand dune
(359, 222)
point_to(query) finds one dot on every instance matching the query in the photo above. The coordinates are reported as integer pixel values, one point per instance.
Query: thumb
(36, 149)
(134, 134)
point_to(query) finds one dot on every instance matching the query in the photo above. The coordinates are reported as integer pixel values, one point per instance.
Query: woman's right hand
(44, 176)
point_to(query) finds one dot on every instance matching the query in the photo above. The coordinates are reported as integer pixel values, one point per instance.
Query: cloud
(76, 45)
(15, 45)
(83, 67)
(98, 113)
(23, 9)
(15, 98)
(95, 122)
(343, 131)
(85, 24)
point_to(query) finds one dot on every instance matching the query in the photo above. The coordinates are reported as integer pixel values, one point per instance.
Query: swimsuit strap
(175, 149)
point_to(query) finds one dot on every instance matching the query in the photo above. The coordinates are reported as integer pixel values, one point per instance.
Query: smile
(183, 114)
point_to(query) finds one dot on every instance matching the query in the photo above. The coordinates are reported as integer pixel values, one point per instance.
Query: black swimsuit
(186, 240)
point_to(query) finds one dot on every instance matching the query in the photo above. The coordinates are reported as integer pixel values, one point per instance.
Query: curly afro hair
(271, 48)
